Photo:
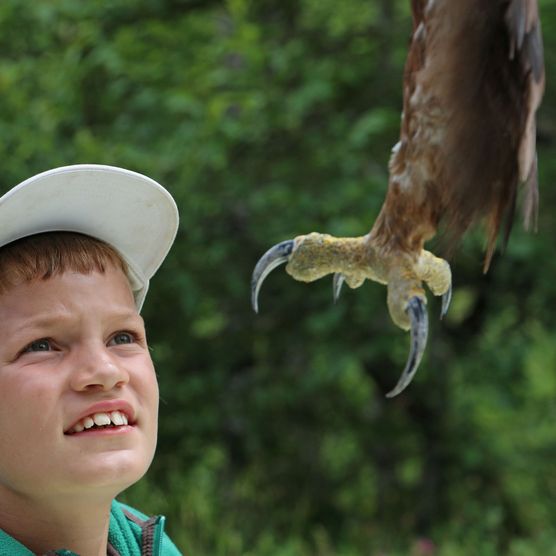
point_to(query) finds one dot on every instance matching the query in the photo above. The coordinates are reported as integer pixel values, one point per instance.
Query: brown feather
(473, 80)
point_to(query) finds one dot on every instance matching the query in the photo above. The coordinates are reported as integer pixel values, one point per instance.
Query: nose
(96, 369)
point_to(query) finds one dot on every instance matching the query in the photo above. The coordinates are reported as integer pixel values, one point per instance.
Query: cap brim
(129, 211)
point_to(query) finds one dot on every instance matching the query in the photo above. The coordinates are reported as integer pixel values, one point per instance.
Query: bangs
(42, 256)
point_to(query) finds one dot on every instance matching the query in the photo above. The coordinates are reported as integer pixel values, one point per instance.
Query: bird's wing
(523, 24)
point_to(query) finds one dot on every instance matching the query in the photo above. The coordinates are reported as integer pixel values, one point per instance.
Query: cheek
(29, 429)
(154, 397)
(151, 384)
(147, 389)
(150, 397)
(29, 407)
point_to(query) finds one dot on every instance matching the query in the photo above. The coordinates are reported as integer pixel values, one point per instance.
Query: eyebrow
(52, 319)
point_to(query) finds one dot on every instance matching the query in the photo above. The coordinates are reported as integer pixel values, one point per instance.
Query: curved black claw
(419, 331)
(337, 284)
(275, 256)
(446, 298)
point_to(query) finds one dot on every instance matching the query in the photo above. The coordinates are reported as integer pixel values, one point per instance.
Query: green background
(267, 119)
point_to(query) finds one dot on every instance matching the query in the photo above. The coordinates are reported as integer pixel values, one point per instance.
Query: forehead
(69, 295)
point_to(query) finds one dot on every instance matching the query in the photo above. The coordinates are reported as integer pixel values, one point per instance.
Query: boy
(78, 417)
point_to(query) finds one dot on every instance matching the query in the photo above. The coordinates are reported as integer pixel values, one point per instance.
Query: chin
(112, 472)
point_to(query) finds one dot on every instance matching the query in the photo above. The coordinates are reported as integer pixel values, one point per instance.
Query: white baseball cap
(129, 211)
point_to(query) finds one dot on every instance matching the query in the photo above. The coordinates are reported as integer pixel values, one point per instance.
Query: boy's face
(71, 347)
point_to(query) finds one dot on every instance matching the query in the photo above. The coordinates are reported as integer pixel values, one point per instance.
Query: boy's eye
(122, 338)
(38, 345)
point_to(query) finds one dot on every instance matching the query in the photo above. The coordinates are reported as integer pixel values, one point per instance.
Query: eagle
(473, 80)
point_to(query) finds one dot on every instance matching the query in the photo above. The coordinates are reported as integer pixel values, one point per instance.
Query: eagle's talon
(337, 283)
(275, 256)
(446, 298)
(417, 311)
(353, 260)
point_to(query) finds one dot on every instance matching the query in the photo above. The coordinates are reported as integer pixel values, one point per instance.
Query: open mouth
(101, 420)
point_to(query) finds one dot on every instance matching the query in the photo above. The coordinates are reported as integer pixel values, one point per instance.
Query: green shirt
(131, 533)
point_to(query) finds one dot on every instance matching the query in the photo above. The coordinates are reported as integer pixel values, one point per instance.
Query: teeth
(101, 419)
(116, 418)
(88, 422)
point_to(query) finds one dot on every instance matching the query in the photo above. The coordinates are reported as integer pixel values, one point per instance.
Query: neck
(73, 523)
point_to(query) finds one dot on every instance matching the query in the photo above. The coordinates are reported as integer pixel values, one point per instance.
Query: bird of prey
(473, 80)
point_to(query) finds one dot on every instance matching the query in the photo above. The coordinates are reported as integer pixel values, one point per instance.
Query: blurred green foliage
(267, 119)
